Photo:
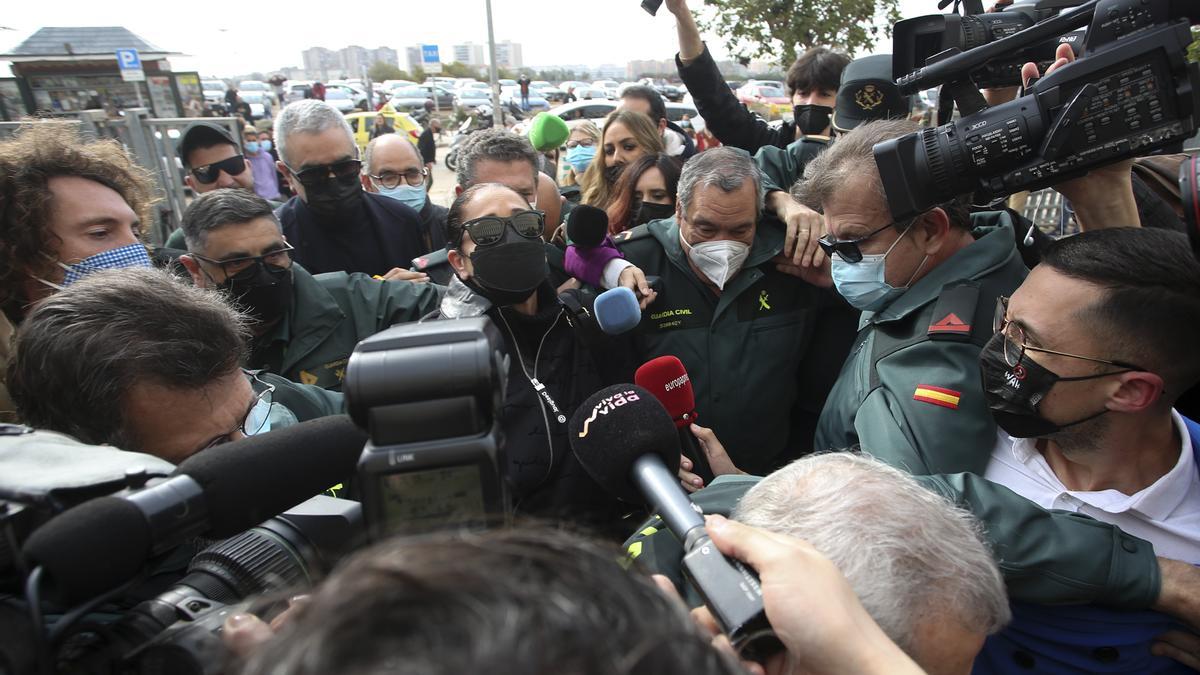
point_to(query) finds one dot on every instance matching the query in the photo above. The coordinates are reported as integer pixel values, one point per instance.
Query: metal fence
(153, 142)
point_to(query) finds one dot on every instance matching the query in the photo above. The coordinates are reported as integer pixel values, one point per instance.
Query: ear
(458, 190)
(1136, 392)
(459, 262)
(662, 125)
(282, 168)
(935, 225)
(367, 184)
(193, 267)
(190, 182)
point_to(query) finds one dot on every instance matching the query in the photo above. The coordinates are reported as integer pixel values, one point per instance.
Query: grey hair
(908, 553)
(725, 167)
(78, 353)
(370, 151)
(307, 116)
(849, 156)
(211, 210)
(498, 145)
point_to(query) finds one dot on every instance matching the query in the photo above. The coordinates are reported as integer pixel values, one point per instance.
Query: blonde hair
(566, 174)
(596, 190)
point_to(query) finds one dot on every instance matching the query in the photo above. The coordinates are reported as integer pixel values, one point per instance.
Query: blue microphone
(617, 311)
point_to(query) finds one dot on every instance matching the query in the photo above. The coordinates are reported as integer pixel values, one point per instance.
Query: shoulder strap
(632, 234)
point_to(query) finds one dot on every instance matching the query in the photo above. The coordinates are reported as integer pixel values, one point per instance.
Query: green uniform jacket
(332, 313)
(782, 167)
(745, 350)
(1046, 557)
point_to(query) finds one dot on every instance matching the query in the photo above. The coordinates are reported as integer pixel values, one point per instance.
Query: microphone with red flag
(667, 379)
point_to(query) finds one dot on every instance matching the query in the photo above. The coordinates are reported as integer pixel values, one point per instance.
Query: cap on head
(203, 135)
(868, 93)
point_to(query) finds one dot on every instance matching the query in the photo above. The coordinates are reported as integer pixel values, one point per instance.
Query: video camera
(1133, 92)
(915, 41)
(429, 395)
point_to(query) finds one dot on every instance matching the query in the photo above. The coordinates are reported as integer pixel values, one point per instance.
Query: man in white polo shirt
(1090, 354)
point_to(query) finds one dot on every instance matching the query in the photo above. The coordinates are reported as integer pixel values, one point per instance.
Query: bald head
(389, 153)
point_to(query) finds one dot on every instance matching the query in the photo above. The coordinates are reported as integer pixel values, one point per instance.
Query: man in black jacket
(428, 147)
(643, 99)
(334, 225)
(813, 81)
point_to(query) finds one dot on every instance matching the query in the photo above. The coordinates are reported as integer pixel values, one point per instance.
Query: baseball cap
(203, 135)
(868, 93)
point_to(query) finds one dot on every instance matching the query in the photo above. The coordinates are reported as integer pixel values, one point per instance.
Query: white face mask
(720, 260)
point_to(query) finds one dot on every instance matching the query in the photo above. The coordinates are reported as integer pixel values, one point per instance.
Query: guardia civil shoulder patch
(947, 398)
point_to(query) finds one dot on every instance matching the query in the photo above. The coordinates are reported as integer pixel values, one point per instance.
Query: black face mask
(613, 173)
(335, 199)
(509, 272)
(1014, 392)
(812, 119)
(262, 291)
(645, 212)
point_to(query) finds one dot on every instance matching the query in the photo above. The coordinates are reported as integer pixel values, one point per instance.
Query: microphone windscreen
(617, 311)
(616, 426)
(91, 548)
(250, 480)
(548, 132)
(587, 226)
(667, 379)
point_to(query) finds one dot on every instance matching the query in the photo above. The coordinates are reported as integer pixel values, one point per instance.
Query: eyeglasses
(585, 142)
(489, 230)
(391, 179)
(319, 175)
(848, 249)
(209, 173)
(256, 417)
(232, 267)
(1015, 345)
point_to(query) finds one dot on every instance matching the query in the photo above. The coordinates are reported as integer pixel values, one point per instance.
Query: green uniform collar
(993, 248)
(314, 314)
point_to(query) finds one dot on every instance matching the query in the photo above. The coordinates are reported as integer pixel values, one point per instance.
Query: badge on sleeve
(947, 398)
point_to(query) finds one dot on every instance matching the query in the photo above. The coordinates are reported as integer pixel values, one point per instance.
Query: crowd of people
(947, 444)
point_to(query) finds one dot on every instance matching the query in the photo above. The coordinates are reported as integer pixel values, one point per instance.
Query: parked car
(402, 122)
(609, 86)
(296, 91)
(508, 83)
(214, 91)
(409, 98)
(339, 99)
(445, 97)
(260, 103)
(356, 94)
(470, 97)
(597, 110)
(512, 96)
(770, 102)
(258, 86)
(549, 92)
(589, 93)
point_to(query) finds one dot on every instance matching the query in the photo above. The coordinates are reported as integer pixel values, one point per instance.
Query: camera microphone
(667, 379)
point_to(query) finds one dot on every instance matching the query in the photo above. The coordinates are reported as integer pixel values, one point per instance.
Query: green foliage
(1194, 48)
(457, 69)
(381, 71)
(503, 73)
(782, 29)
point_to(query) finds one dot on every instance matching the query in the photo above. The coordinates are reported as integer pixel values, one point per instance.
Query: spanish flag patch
(947, 398)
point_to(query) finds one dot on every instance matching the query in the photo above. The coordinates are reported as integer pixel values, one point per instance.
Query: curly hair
(40, 151)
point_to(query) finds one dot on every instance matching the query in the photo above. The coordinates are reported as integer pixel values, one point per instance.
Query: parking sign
(131, 65)
(431, 62)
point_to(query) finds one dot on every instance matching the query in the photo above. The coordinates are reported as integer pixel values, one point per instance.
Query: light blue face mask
(266, 146)
(580, 156)
(133, 255)
(251, 147)
(862, 283)
(412, 196)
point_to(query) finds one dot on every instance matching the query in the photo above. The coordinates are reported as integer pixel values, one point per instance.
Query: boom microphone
(218, 492)
(627, 442)
(617, 311)
(667, 379)
(548, 132)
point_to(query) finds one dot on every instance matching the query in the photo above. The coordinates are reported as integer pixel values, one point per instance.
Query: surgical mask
(335, 198)
(812, 119)
(579, 157)
(132, 255)
(252, 147)
(1013, 393)
(412, 196)
(509, 272)
(862, 283)
(262, 291)
(644, 212)
(719, 260)
(266, 146)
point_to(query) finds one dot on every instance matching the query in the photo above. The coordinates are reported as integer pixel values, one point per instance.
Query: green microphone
(548, 132)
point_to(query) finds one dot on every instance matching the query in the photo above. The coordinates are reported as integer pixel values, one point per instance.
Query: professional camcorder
(915, 41)
(429, 395)
(1131, 93)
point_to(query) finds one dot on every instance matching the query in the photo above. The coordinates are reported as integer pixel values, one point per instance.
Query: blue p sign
(128, 59)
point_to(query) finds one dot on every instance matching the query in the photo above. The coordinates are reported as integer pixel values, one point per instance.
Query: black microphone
(587, 226)
(625, 439)
(218, 492)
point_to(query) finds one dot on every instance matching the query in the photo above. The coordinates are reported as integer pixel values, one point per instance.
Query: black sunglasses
(319, 175)
(489, 230)
(209, 173)
(233, 268)
(848, 248)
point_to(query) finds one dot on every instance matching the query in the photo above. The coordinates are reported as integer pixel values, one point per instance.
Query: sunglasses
(233, 267)
(209, 173)
(489, 230)
(319, 175)
(849, 249)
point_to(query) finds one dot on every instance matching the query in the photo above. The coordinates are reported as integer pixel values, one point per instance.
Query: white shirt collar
(1156, 502)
